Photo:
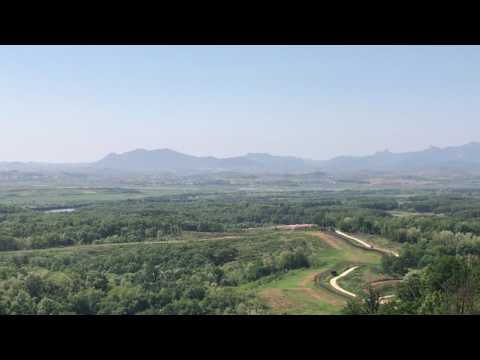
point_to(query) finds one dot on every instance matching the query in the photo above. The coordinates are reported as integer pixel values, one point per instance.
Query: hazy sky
(78, 103)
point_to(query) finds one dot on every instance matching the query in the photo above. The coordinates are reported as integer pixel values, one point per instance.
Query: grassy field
(356, 281)
(296, 293)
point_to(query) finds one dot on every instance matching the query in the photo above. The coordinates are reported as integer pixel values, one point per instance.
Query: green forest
(206, 253)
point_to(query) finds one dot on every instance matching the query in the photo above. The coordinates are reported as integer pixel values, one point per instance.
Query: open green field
(357, 280)
(296, 292)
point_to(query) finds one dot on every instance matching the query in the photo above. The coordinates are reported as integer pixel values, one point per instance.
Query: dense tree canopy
(440, 234)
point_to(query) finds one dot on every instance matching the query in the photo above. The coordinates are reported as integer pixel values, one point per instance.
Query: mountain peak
(384, 152)
(259, 155)
(170, 160)
(138, 151)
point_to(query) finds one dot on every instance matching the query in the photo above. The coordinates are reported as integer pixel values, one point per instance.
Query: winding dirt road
(354, 239)
(333, 282)
(366, 246)
(110, 245)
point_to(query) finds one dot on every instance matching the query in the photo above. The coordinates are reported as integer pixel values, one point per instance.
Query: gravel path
(367, 246)
(333, 282)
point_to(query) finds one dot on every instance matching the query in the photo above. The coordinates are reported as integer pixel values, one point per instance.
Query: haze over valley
(239, 180)
(459, 158)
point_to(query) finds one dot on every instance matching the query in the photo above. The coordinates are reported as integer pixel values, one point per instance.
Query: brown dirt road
(93, 247)
(330, 240)
(335, 242)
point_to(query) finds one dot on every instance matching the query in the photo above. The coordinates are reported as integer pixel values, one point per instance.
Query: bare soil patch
(322, 296)
(330, 240)
(278, 300)
(378, 284)
(317, 294)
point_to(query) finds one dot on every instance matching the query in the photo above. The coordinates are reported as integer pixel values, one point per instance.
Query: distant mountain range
(433, 159)
(171, 161)
(459, 158)
(465, 158)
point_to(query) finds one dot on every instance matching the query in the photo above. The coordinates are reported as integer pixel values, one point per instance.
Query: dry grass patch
(278, 300)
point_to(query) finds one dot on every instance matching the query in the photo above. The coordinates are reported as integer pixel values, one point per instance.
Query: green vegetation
(179, 251)
(357, 280)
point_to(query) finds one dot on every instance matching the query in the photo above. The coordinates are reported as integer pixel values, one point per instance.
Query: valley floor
(296, 292)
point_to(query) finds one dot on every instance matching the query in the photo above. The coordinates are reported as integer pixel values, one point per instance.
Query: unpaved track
(108, 245)
(383, 282)
(333, 282)
(313, 293)
(366, 246)
(329, 239)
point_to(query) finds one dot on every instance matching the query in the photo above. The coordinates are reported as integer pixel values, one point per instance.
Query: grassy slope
(295, 292)
(292, 295)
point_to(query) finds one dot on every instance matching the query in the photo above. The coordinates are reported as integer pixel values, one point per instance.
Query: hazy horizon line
(235, 156)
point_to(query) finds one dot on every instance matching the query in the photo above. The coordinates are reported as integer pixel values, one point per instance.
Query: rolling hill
(169, 160)
(434, 160)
